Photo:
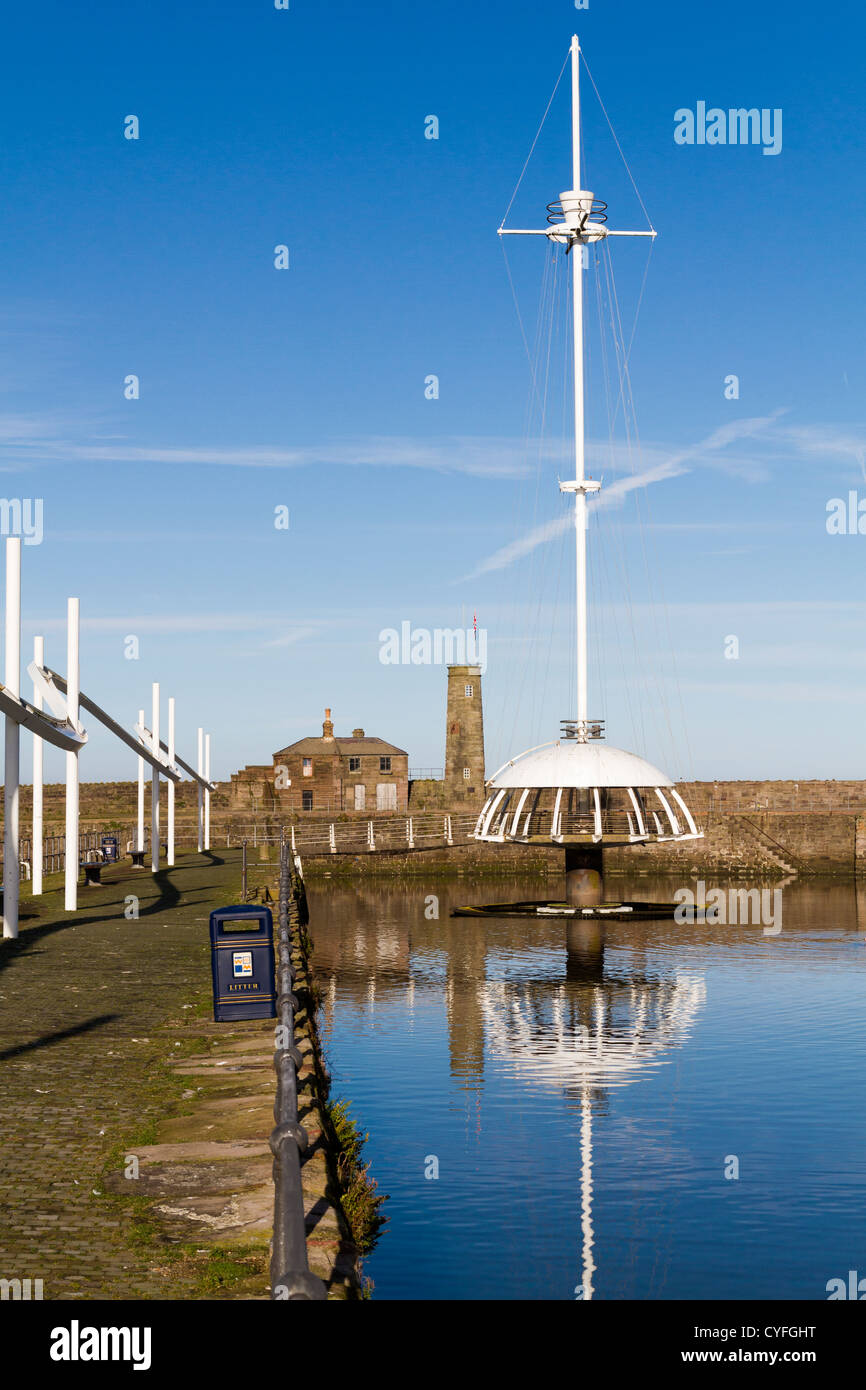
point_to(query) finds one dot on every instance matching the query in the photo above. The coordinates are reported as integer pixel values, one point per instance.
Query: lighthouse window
(470, 691)
(467, 773)
(308, 767)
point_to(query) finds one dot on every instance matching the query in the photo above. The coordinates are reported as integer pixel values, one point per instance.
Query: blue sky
(305, 387)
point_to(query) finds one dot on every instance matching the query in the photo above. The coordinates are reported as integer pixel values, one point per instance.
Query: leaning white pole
(207, 792)
(73, 683)
(154, 786)
(579, 496)
(200, 770)
(170, 782)
(12, 681)
(139, 836)
(36, 835)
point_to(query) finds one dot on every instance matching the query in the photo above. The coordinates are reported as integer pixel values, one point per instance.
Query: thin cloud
(670, 466)
(32, 441)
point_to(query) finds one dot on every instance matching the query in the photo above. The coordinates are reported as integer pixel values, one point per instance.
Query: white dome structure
(574, 793)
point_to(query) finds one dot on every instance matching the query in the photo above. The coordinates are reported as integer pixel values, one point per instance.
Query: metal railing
(392, 834)
(54, 850)
(290, 1269)
(386, 834)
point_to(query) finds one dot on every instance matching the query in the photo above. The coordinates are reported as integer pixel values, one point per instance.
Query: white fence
(385, 834)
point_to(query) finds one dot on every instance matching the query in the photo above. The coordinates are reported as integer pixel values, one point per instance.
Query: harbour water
(680, 1116)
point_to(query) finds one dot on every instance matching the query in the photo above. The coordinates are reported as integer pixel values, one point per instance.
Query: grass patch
(359, 1196)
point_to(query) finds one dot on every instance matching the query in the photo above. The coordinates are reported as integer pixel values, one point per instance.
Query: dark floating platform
(618, 911)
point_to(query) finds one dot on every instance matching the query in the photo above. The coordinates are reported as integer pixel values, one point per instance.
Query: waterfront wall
(773, 845)
(778, 826)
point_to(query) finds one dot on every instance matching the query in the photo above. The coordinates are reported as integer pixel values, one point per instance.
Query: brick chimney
(328, 728)
(357, 733)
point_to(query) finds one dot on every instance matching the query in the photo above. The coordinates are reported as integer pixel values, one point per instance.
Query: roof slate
(342, 747)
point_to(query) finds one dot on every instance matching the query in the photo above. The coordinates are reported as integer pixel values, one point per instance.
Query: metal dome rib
(572, 764)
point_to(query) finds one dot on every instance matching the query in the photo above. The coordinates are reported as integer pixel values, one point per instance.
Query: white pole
(206, 792)
(579, 496)
(170, 782)
(12, 681)
(139, 840)
(200, 771)
(38, 749)
(154, 786)
(575, 111)
(73, 678)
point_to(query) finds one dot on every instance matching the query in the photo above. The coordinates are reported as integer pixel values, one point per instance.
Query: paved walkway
(90, 1004)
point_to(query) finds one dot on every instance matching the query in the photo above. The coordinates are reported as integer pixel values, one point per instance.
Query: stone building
(360, 773)
(464, 738)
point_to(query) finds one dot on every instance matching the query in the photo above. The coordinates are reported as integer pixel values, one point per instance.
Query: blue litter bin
(109, 849)
(242, 963)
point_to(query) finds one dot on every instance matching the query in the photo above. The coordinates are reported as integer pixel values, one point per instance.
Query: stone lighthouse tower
(464, 738)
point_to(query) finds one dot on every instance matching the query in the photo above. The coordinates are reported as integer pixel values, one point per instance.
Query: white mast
(154, 784)
(73, 690)
(12, 682)
(170, 782)
(200, 769)
(579, 430)
(36, 846)
(207, 792)
(577, 221)
(139, 833)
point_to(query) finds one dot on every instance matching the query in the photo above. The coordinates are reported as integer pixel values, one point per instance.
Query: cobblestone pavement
(90, 1003)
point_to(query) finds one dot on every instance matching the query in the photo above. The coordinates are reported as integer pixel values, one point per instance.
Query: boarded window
(360, 796)
(386, 796)
(308, 768)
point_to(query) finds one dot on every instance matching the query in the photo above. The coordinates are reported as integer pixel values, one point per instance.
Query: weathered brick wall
(426, 794)
(464, 737)
(803, 796)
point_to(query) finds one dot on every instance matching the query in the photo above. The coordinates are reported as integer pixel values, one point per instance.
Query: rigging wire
(615, 140)
(636, 725)
(666, 616)
(537, 134)
(534, 669)
(642, 504)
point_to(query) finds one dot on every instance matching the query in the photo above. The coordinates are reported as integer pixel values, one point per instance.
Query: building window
(384, 764)
(308, 768)
(467, 773)
(470, 691)
(307, 801)
(354, 764)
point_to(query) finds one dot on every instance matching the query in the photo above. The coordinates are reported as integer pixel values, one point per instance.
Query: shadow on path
(169, 897)
(99, 1021)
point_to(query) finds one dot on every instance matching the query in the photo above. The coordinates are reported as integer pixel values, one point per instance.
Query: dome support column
(584, 875)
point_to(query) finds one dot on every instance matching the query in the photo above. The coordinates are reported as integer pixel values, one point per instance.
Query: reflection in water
(583, 1029)
(588, 1033)
(512, 1051)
